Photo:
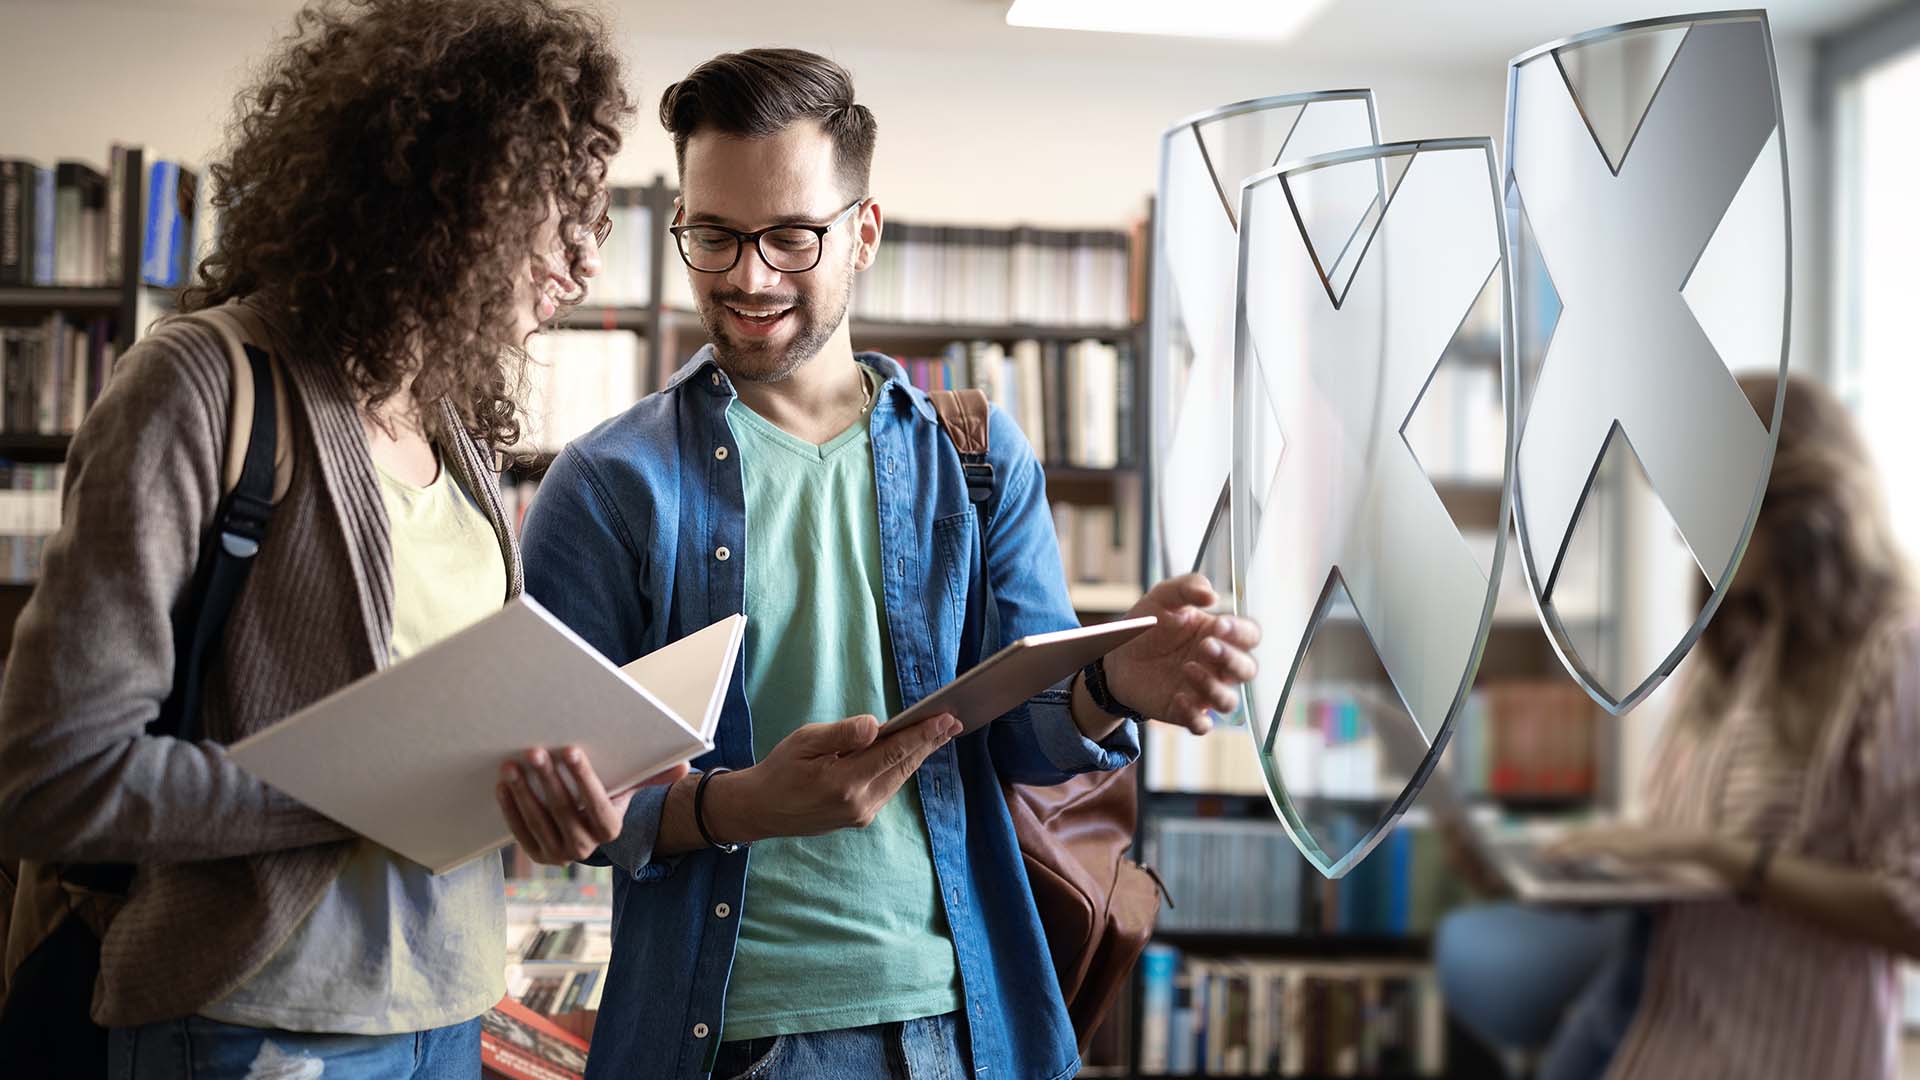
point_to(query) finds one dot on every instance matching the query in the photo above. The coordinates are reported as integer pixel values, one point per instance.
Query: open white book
(408, 757)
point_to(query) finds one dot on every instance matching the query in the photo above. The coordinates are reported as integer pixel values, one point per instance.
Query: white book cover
(408, 757)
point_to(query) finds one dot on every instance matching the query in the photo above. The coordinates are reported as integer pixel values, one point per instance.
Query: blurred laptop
(1518, 852)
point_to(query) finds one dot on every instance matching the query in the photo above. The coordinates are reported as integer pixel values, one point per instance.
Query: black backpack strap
(226, 558)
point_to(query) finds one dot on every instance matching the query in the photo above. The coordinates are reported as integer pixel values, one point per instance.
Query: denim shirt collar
(895, 386)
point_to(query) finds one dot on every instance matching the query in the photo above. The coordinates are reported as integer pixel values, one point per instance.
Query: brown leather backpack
(1096, 903)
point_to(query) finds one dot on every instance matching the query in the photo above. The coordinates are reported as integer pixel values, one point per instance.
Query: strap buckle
(243, 524)
(979, 474)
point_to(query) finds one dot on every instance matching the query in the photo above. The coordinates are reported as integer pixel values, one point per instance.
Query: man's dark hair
(761, 92)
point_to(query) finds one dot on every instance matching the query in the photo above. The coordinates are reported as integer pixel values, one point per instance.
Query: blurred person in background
(1790, 769)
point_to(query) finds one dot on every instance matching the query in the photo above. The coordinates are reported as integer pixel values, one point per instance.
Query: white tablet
(1020, 671)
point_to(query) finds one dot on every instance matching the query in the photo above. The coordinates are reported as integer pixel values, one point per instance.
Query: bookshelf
(1205, 792)
(98, 322)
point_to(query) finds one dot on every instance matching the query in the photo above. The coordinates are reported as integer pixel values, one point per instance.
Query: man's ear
(867, 224)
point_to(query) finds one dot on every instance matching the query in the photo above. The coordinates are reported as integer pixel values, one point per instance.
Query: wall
(967, 137)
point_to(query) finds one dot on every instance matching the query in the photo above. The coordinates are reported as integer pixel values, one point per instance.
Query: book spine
(15, 230)
(44, 195)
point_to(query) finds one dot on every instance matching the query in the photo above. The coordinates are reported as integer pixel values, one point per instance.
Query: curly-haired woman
(1790, 769)
(411, 188)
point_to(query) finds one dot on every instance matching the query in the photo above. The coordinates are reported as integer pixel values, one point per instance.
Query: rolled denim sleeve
(1037, 743)
(632, 851)
(583, 565)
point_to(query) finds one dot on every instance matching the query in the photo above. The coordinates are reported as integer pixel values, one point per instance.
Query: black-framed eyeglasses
(788, 249)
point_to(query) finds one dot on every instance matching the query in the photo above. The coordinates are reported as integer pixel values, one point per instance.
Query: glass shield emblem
(1645, 195)
(1375, 608)
(1202, 163)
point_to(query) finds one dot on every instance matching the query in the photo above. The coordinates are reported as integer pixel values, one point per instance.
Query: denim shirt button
(722, 554)
(721, 911)
(719, 453)
(699, 1031)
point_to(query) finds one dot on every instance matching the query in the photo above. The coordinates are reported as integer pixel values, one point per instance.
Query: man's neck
(819, 400)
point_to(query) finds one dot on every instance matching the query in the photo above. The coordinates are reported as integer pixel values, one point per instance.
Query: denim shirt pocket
(951, 563)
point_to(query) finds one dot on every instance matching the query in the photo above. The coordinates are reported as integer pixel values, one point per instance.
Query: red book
(517, 1043)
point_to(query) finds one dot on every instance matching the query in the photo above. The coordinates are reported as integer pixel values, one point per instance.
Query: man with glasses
(811, 913)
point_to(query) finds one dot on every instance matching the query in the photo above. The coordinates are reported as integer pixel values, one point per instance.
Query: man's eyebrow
(782, 219)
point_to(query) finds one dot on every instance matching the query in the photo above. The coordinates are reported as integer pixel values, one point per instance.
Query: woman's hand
(1642, 844)
(558, 821)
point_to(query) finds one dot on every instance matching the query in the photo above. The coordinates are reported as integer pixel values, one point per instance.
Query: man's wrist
(1095, 723)
(727, 809)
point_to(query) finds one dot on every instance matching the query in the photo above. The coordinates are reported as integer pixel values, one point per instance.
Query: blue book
(43, 196)
(158, 255)
(1158, 966)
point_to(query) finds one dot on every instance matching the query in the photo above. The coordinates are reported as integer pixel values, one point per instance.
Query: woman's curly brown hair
(387, 173)
(1824, 572)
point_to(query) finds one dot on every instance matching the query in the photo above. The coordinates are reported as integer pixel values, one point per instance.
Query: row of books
(567, 991)
(578, 378)
(1525, 738)
(1245, 876)
(1400, 890)
(1099, 545)
(1074, 401)
(1237, 1017)
(65, 224)
(29, 516)
(1226, 875)
(559, 939)
(1513, 738)
(51, 374)
(933, 273)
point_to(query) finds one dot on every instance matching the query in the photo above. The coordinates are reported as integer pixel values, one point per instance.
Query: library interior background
(1320, 916)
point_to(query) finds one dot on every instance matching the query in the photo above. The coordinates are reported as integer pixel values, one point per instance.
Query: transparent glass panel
(1536, 303)
(1241, 144)
(1203, 162)
(1623, 542)
(1344, 550)
(1635, 292)
(1613, 80)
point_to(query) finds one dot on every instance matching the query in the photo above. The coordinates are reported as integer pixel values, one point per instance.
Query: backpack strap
(250, 484)
(964, 414)
(964, 417)
(252, 479)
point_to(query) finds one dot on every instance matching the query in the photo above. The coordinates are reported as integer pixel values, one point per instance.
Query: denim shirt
(638, 538)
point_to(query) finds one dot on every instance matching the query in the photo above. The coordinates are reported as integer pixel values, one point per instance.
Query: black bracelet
(1094, 675)
(1749, 891)
(700, 810)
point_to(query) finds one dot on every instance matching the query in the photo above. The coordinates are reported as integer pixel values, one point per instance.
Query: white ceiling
(1437, 33)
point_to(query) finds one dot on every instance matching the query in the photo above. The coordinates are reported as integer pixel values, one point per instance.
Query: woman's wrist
(1730, 859)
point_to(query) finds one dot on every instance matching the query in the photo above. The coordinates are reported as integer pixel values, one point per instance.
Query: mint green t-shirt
(842, 930)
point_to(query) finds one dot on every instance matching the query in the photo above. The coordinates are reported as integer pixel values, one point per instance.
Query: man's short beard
(758, 364)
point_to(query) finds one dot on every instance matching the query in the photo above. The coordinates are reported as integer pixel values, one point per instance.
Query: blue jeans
(201, 1049)
(1560, 983)
(929, 1049)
